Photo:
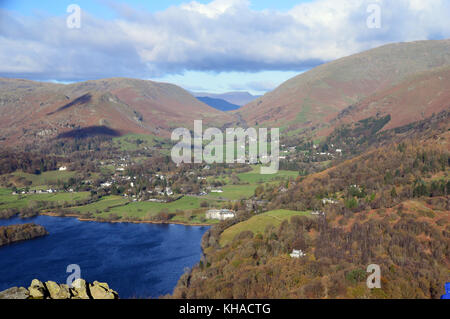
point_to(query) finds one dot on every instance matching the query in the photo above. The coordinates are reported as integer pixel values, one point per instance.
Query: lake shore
(127, 221)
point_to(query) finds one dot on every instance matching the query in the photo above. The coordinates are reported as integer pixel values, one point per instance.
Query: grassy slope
(258, 223)
(253, 178)
(21, 201)
(143, 210)
(46, 178)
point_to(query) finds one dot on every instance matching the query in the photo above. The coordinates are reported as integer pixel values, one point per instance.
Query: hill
(313, 99)
(389, 206)
(32, 111)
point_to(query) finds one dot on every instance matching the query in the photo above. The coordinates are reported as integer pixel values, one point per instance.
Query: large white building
(297, 254)
(220, 214)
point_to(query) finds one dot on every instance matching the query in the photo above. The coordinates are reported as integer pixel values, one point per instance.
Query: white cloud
(216, 7)
(223, 35)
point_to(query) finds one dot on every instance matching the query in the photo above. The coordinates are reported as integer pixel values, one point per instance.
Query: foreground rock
(15, 293)
(51, 290)
(16, 233)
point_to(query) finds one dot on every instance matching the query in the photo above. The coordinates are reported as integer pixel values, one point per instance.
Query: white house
(63, 168)
(216, 191)
(329, 201)
(297, 254)
(220, 214)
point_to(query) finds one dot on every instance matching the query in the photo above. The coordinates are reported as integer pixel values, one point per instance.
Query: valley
(364, 175)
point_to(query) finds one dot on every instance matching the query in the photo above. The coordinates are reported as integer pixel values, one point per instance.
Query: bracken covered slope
(315, 98)
(31, 110)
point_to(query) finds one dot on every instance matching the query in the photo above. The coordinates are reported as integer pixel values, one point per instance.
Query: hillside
(31, 111)
(315, 98)
(417, 97)
(389, 206)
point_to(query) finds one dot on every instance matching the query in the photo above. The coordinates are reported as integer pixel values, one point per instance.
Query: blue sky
(203, 45)
(100, 8)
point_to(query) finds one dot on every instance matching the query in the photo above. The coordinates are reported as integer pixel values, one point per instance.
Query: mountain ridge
(314, 98)
(32, 110)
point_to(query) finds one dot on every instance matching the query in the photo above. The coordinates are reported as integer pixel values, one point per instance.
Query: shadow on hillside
(84, 99)
(90, 132)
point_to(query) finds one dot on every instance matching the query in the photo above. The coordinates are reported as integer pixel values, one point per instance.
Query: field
(258, 224)
(256, 177)
(134, 142)
(43, 180)
(251, 179)
(235, 192)
(104, 204)
(7, 200)
(144, 210)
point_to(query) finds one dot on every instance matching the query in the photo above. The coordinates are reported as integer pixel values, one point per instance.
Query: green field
(7, 200)
(255, 176)
(143, 210)
(46, 178)
(134, 142)
(235, 192)
(258, 224)
(251, 179)
(103, 204)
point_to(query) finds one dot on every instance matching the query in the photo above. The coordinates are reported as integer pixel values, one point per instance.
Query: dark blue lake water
(136, 260)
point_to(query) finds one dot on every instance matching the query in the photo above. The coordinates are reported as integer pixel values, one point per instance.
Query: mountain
(237, 98)
(218, 104)
(31, 111)
(315, 98)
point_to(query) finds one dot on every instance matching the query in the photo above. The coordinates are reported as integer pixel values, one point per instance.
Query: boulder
(101, 284)
(15, 293)
(101, 291)
(37, 290)
(79, 289)
(57, 291)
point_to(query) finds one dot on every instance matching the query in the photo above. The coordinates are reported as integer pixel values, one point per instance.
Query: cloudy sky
(215, 46)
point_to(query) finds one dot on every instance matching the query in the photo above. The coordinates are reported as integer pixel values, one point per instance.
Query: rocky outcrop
(15, 233)
(15, 293)
(51, 290)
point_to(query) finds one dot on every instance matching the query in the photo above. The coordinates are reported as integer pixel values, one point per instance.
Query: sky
(209, 46)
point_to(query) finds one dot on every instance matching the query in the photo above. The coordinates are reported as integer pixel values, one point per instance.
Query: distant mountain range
(219, 104)
(235, 98)
(408, 81)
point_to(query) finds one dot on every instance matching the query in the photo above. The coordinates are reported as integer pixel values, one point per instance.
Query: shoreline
(81, 219)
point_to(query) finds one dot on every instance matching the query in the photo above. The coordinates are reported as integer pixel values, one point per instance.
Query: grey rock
(15, 293)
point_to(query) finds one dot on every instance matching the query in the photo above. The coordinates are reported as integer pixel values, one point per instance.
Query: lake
(136, 260)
